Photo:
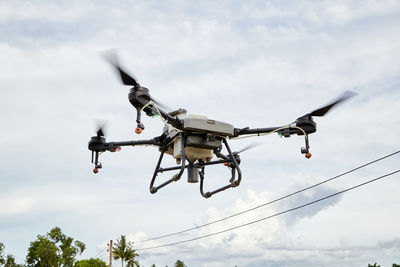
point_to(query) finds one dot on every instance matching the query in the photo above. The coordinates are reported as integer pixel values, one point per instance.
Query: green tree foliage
(2, 261)
(10, 262)
(123, 250)
(132, 262)
(43, 252)
(375, 265)
(179, 263)
(91, 263)
(395, 265)
(54, 249)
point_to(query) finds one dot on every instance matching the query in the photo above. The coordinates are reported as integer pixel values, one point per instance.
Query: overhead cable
(271, 216)
(270, 202)
(99, 254)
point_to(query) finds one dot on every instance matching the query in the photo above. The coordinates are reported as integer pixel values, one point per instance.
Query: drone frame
(209, 138)
(195, 169)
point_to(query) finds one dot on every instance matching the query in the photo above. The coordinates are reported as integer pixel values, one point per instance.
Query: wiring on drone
(263, 134)
(272, 201)
(154, 105)
(274, 131)
(273, 215)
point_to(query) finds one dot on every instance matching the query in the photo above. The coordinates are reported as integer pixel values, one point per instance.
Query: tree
(10, 262)
(2, 261)
(91, 263)
(124, 250)
(54, 249)
(179, 263)
(132, 262)
(375, 265)
(43, 252)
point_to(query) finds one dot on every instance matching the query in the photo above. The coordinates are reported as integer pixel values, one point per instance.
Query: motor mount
(307, 124)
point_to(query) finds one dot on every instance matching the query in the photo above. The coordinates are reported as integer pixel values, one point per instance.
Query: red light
(138, 130)
(308, 155)
(117, 149)
(226, 163)
(95, 170)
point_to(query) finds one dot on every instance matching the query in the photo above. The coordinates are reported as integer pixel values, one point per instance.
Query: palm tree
(180, 263)
(123, 250)
(131, 262)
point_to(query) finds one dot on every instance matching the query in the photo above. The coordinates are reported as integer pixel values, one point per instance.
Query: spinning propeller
(307, 123)
(126, 79)
(100, 132)
(322, 111)
(138, 96)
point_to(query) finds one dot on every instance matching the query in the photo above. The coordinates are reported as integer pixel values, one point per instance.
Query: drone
(194, 140)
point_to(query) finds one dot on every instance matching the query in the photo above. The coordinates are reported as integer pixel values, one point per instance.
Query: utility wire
(272, 201)
(100, 252)
(271, 216)
(104, 254)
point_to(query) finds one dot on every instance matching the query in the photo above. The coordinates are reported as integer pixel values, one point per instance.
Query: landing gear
(197, 168)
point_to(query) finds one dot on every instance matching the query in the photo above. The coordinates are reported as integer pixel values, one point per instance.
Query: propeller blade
(100, 132)
(252, 145)
(126, 79)
(322, 111)
(101, 126)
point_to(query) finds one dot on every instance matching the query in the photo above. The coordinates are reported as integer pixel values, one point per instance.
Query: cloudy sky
(250, 63)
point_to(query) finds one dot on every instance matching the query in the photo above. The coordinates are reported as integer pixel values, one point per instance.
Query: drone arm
(247, 130)
(132, 143)
(99, 145)
(304, 127)
(282, 129)
(177, 123)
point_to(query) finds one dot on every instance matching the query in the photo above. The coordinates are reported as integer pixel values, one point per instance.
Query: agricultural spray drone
(192, 140)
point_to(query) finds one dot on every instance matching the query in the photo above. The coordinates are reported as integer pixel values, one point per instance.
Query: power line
(271, 216)
(270, 202)
(104, 254)
(100, 252)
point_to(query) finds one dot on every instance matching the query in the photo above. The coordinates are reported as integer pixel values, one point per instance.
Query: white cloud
(51, 11)
(266, 242)
(252, 64)
(15, 205)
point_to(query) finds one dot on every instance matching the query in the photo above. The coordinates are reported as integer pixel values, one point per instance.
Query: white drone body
(197, 146)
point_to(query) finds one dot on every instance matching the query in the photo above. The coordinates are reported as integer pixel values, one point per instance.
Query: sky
(248, 63)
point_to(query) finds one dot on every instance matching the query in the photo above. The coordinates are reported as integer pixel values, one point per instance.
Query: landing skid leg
(176, 177)
(232, 163)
